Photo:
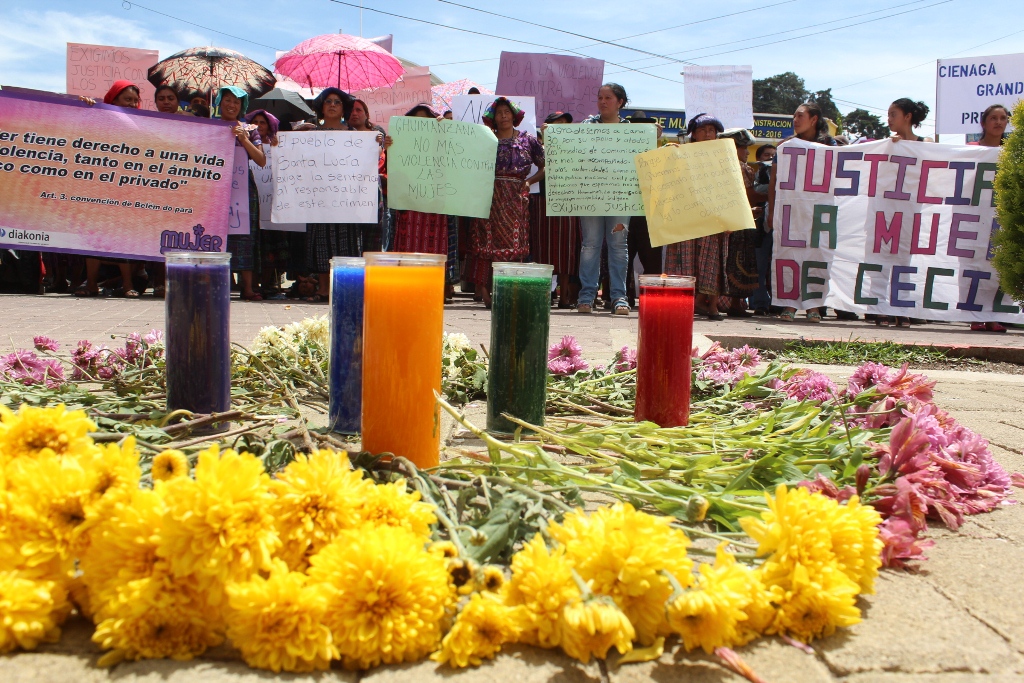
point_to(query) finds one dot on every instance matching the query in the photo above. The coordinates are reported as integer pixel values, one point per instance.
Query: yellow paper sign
(693, 190)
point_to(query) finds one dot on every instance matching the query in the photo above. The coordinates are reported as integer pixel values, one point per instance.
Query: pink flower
(625, 359)
(564, 365)
(908, 449)
(154, 337)
(25, 367)
(807, 385)
(828, 488)
(904, 387)
(723, 367)
(568, 348)
(901, 543)
(44, 343)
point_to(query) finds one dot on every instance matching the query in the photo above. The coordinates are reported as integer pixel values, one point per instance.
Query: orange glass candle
(403, 321)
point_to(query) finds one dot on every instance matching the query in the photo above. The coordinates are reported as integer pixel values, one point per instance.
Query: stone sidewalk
(959, 619)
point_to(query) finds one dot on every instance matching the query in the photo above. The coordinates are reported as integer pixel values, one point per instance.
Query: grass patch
(854, 352)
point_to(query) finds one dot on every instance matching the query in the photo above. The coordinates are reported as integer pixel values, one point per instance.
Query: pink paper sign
(92, 69)
(411, 89)
(107, 181)
(557, 82)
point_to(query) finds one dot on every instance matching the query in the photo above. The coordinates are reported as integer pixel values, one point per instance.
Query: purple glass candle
(197, 339)
(346, 359)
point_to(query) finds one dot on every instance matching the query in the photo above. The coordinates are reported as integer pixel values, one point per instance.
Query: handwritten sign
(106, 181)
(238, 210)
(471, 108)
(589, 168)
(556, 82)
(264, 178)
(893, 228)
(326, 176)
(411, 89)
(92, 69)
(726, 92)
(693, 190)
(441, 167)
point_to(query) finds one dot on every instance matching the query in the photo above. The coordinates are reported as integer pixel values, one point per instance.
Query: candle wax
(663, 355)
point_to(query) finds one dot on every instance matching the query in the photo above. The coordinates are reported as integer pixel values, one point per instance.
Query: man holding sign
(591, 174)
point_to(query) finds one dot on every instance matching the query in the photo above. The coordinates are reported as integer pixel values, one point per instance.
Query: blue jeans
(595, 230)
(762, 298)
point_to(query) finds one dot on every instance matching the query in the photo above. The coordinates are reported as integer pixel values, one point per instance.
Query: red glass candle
(663, 350)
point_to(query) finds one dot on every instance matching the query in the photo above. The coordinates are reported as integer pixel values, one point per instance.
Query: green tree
(1009, 190)
(779, 94)
(823, 98)
(862, 123)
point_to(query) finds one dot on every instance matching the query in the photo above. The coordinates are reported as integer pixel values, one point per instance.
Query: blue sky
(868, 52)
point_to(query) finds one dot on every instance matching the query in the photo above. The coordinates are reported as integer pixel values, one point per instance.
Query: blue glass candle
(346, 360)
(198, 338)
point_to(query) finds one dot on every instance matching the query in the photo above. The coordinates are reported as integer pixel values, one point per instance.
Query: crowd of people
(591, 255)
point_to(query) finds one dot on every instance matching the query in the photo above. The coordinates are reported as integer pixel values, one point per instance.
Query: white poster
(725, 92)
(471, 108)
(966, 86)
(326, 176)
(264, 178)
(894, 228)
(238, 210)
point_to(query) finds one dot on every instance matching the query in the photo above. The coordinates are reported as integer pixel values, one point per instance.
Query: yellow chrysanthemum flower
(623, 553)
(115, 471)
(277, 623)
(41, 432)
(815, 605)
(390, 595)
(31, 611)
(315, 498)
(855, 542)
(157, 617)
(392, 505)
(492, 579)
(542, 583)
(463, 573)
(591, 627)
(123, 547)
(218, 526)
(711, 614)
(759, 610)
(447, 549)
(483, 625)
(169, 464)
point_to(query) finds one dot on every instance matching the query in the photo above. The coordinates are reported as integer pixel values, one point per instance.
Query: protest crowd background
(541, 170)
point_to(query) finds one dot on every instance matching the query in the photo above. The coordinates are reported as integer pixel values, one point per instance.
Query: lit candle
(663, 350)
(518, 371)
(346, 360)
(197, 340)
(403, 320)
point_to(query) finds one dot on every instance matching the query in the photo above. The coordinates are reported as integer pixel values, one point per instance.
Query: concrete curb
(1003, 354)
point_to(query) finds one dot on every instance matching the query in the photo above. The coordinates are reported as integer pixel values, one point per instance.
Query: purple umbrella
(341, 61)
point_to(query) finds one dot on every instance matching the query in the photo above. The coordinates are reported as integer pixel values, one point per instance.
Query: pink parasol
(441, 95)
(341, 61)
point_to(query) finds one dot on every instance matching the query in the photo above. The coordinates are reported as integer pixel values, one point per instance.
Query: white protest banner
(966, 86)
(92, 69)
(725, 92)
(326, 176)
(441, 166)
(558, 82)
(893, 228)
(411, 89)
(589, 169)
(471, 108)
(264, 178)
(238, 210)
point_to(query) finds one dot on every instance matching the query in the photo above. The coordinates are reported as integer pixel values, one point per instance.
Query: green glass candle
(520, 317)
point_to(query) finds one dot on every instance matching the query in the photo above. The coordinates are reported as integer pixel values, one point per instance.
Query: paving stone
(910, 627)
(518, 664)
(883, 677)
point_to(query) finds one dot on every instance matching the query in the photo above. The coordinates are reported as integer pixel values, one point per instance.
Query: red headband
(116, 89)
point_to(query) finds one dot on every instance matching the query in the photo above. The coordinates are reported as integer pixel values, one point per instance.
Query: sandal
(902, 322)
(130, 294)
(787, 316)
(621, 308)
(160, 292)
(883, 321)
(715, 317)
(86, 293)
(813, 315)
(316, 298)
(255, 296)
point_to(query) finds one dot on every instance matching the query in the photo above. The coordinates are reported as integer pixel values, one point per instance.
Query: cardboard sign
(92, 69)
(264, 178)
(966, 86)
(471, 108)
(725, 92)
(411, 89)
(556, 82)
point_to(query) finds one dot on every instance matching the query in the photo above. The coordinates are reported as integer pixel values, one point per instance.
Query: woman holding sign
(375, 235)
(598, 230)
(505, 236)
(231, 104)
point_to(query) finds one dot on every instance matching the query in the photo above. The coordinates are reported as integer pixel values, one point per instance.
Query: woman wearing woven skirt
(505, 236)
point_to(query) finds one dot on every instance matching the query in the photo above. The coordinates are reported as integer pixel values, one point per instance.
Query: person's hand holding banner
(693, 190)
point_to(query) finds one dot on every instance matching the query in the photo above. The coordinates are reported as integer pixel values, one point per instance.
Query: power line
(791, 30)
(491, 35)
(558, 30)
(128, 4)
